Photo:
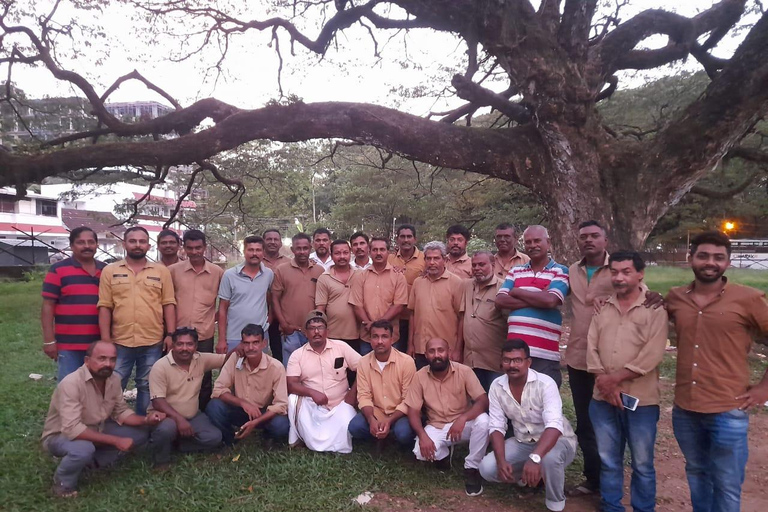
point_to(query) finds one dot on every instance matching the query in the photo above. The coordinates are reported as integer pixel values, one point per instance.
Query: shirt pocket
(153, 286)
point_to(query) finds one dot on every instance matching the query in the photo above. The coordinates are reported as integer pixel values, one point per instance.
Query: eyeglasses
(514, 360)
(317, 328)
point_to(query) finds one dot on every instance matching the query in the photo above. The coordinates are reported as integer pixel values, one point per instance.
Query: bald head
(437, 342)
(437, 352)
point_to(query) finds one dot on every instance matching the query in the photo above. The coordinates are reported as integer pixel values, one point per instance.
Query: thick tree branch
(749, 154)
(480, 96)
(728, 193)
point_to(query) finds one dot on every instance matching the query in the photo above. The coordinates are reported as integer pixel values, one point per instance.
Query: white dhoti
(321, 429)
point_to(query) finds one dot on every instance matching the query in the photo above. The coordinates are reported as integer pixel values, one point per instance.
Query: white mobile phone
(629, 402)
(239, 364)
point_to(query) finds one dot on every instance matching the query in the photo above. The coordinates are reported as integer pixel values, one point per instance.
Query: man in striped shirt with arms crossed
(534, 293)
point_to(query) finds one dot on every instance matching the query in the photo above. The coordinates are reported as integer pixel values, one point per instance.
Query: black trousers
(548, 367)
(582, 384)
(275, 341)
(207, 387)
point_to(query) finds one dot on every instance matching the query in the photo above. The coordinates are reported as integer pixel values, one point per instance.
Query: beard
(439, 365)
(104, 373)
(136, 254)
(704, 278)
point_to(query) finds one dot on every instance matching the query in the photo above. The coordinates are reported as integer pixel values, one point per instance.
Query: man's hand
(755, 397)
(614, 398)
(184, 428)
(531, 474)
(251, 410)
(427, 447)
(124, 444)
(654, 300)
(319, 398)
(399, 270)
(154, 418)
(221, 347)
(289, 329)
(383, 430)
(599, 303)
(457, 355)
(454, 433)
(167, 343)
(373, 427)
(506, 472)
(606, 384)
(51, 351)
(246, 429)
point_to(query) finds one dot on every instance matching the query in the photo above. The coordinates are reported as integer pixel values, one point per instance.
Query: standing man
(137, 311)
(196, 284)
(410, 261)
(321, 242)
(456, 406)
(534, 293)
(383, 379)
(332, 296)
(543, 444)
(70, 316)
(244, 295)
(458, 260)
(507, 255)
(435, 303)
(714, 321)
(168, 243)
(625, 348)
(484, 327)
(293, 294)
(273, 243)
(379, 293)
(360, 249)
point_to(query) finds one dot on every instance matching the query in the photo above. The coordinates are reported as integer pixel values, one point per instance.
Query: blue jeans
(143, 358)
(486, 377)
(228, 418)
(291, 343)
(614, 429)
(69, 361)
(716, 450)
(359, 429)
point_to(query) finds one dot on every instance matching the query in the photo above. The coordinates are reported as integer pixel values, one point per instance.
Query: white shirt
(328, 263)
(355, 266)
(542, 408)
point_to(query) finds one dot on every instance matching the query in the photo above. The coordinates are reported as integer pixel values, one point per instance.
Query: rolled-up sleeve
(121, 410)
(560, 284)
(498, 420)
(279, 403)
(364, 395)
(552, 412)
(169, 294)
(407, 379)
(105, 289)
(415, 397)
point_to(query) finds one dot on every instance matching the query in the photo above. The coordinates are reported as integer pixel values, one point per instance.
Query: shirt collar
(173, 362)
(262, 364)
(532, 376)
(416, 252)
(614, 299)
(689, 288)
(451, 370)
(239, 269)
(371, 269)
(188, 266)
(492, 282)
(583, 261)
(310, 264)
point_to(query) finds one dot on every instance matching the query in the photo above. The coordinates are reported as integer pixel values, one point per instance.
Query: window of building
(46, 207)
(7, 204)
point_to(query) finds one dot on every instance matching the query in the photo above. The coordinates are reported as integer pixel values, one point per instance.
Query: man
(534, 293)
(244, 295)
(458, 260)
(625, 347)
(484, 327)
(410, 261)
(435, 303)
(273, 243)
(714, 320)
(321, 242)
(360, 248)
(320, 402)
(379, 293)
(293, 294)
(196, 284)
(137, 311)
(543, 444)
(456, 406)
(252, 396)
(507, 255)
(168, 243)
(332, 296)
(70, 316)
(88, 422)
(174, 383)
(383, 378)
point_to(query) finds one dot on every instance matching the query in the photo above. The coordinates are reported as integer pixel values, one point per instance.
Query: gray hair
(436, 245)
(484, 253)
(538, 226)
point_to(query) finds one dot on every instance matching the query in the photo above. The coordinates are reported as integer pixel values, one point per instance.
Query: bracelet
(49, 343)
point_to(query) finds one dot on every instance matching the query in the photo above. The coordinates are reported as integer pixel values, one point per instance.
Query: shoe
(60, 491)
(473, 483)
(583, 489)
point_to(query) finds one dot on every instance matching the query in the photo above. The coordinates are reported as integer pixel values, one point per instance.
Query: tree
(559, 60)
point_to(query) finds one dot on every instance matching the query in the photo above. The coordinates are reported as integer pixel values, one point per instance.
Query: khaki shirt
(334, 295)
(196, 296)
(414, 267)
(180, 387)
(485, 327)
(436, 306)
(462, 267)
(272, 264)
(446, 399)
(318, 371)
(376, 292)
(77, 404)
(635, 340)
(713, 344)
(296, 287)
(384, 390)
(136, 301)
(501, 270)
(263, 386)
(582, 299)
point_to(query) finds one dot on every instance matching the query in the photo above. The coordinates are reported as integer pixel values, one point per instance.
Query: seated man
(455, 404)
(253, 395)
(544, 443)
(174, 386)
(320, 405)
(383, 378)
(89, 422)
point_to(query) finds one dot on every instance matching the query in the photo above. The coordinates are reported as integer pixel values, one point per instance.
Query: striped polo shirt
(539, 328)
(76, 293)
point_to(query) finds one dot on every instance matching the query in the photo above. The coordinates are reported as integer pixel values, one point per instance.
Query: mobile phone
(338, 363)
(239, 364)
(240, 430)
(628, 401)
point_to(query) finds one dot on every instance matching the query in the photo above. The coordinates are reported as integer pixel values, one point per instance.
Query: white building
(36, 217)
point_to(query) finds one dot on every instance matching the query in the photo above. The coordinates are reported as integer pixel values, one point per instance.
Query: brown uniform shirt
(180, 387)
(318, 370)
(447, 399)
(712, 345)
(334, 295)
(376, 292)
(384, 390)
(635, 340)
(136, 301)
(436, 306)
(263, 386)
(298, 287)
(196, 296)
(462, 267)
(414, 267)
(501, 270)
(582, 299)
(485, 327)
(272, 264)
(77, 404)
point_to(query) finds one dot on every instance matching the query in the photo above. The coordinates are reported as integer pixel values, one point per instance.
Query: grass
(661, 279)
(257, 481)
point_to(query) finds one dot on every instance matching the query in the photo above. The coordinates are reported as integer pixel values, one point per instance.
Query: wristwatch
(535, 458)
